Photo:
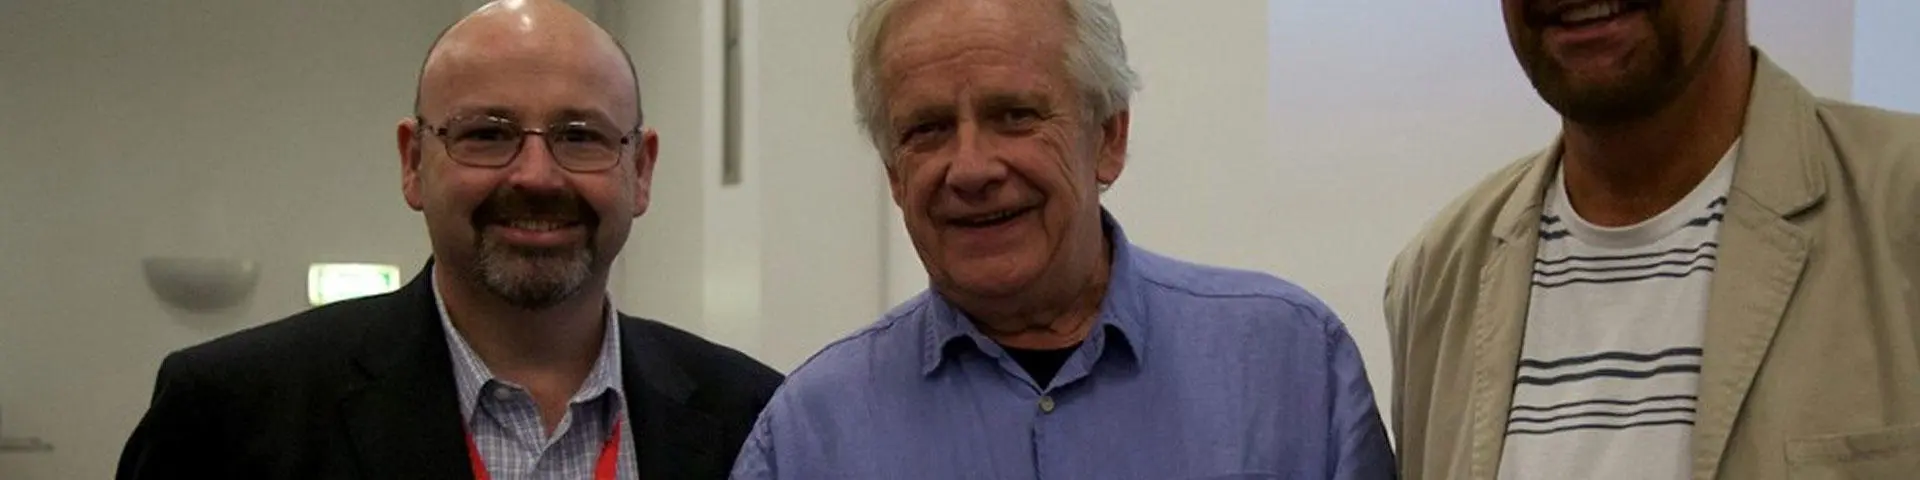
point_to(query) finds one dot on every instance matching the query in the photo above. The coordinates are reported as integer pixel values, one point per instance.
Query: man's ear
(644, 155)
(407, 136)
(1112, 153)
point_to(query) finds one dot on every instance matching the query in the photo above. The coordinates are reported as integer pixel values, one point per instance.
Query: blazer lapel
(1762, 253)
(671, 439)
(1500, 317)
(404, 417)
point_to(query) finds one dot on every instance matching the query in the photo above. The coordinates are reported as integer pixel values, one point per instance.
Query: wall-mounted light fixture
(201, 284)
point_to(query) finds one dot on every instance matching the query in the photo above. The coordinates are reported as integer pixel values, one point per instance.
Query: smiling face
(992, 159)
(531, 232)
(1611, 61)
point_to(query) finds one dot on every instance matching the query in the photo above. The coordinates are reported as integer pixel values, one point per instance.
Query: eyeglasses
(493, 142)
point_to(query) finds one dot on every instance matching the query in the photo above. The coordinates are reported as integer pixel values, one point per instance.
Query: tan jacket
(1812, 355)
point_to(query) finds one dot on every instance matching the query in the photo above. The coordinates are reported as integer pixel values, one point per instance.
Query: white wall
(1886, 55)
(664, 271)
(789, 258)
(821, 238)
(1813, 40)
(225, 128)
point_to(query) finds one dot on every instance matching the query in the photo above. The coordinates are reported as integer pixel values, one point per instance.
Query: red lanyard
(607, 468)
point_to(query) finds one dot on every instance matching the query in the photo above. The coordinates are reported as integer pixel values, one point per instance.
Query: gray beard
(532, 279)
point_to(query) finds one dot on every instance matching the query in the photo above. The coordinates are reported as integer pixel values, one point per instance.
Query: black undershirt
(1042, 365)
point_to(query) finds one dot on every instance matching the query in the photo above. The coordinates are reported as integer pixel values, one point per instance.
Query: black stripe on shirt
(1550, 235)
(1600, 414)
(1638, 256)
(1604, 401)
(1542, 275)
(1704, 221)
(1599, 426)
(1616, 355)
(1607, 373)
(1571, 281)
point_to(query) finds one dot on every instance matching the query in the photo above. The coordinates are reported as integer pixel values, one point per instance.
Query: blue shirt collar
(1121, 311)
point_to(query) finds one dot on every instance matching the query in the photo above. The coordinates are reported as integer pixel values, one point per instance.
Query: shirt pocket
(1888, 453)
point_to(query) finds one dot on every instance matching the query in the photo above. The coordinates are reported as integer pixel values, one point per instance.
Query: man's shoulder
(1215, 301)
(277, 350)
(1878, 151)
(1197, 282)
(713, 365)
(1884, 143)
(893, 343)
(894, 332)
(1889, 128)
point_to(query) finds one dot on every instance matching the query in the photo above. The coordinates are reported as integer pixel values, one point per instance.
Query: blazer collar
(403, 415)
(673, 438)
(1781, 174)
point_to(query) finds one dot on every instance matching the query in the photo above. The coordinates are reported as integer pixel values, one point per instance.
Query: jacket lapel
(1501, 314)
(403, 416)
(671, 439)
(1762, 253)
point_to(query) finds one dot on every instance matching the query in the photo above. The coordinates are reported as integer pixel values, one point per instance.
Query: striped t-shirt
(1610, 365)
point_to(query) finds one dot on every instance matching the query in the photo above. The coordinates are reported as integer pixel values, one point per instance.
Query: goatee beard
(532, 279)
(1642, 92)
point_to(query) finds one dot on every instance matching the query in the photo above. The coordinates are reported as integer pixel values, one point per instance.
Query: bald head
(528, 37)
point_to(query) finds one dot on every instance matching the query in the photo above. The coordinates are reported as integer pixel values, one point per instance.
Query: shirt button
(1046, 404)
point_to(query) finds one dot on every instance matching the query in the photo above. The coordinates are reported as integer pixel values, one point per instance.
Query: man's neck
(549, 351)
(1046, 318)
(1619, 175)
(1046, 328)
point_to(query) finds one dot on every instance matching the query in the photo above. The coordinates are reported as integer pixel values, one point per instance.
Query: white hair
(1096, 59)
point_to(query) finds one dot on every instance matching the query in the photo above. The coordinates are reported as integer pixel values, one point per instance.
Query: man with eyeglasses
(504, 358)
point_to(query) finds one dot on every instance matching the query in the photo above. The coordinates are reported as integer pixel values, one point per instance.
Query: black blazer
(364, 389)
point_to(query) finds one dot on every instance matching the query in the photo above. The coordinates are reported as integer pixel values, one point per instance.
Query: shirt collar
(471, 375)
(1121, 311)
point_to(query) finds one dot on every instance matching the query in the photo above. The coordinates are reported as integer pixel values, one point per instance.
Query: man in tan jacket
(1710, 274)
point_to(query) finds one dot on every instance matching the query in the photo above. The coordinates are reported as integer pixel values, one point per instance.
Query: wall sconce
(201, 284)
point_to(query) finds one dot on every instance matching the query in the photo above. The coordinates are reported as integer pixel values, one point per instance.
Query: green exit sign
(333, 282)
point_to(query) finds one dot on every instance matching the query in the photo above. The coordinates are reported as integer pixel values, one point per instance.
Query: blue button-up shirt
(1193, 372)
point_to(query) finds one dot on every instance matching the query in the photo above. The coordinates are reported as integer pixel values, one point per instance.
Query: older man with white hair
(1049, 346)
